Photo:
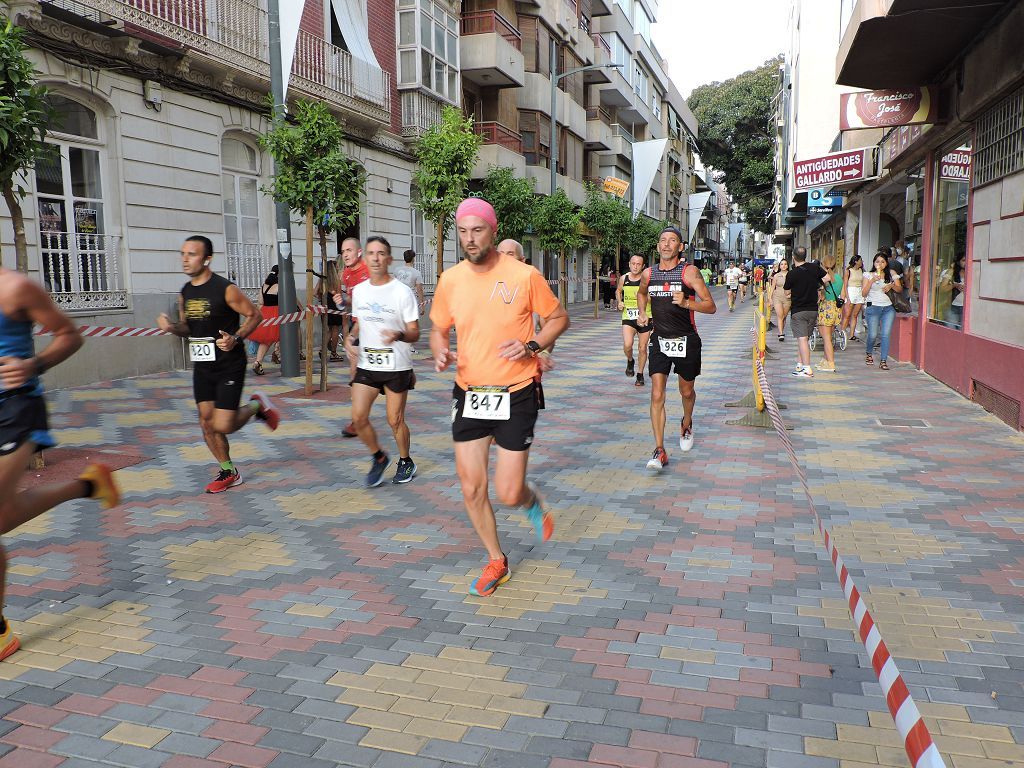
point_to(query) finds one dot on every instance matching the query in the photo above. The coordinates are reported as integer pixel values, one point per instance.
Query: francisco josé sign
(847, 167)
(884, 109)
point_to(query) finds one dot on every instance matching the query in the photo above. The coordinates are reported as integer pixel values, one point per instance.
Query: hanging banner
(647, 157)
(697, 202)
(291, 15)
(885, 109)
(849, 167)
(617, 187)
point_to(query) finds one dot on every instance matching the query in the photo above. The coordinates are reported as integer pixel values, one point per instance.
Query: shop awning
(905, 43)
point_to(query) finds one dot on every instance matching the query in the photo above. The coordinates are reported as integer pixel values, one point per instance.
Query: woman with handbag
(854, 297)
(266, 336)
(829, 313)
(879, 287)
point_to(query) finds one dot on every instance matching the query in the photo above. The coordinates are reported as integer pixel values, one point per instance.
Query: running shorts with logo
(394, 381)
(22, 420)
(687, 367)
(513, 434)
(220, 382)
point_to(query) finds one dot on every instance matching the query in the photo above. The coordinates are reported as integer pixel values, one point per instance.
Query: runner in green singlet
(625, 295)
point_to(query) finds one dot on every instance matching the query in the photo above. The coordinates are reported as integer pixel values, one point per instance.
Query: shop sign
(897, 142)
(956, 165)
(820, 201)
(617, 187)
(849, 167)
(885, 109)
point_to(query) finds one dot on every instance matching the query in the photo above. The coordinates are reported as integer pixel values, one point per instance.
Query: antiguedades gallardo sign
(837, 168)
(885, 109)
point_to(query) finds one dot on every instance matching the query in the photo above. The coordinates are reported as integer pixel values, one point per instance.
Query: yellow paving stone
(998, 750)
(49, 662)
(21, 569)
(407, 689)
(945, 711)
(480, 717)
(840, 749)
(963, 761)
(976, 731)
(11, 669)
(84, 653)
(328, 504)
(436, 730)
(372, 718)
(894, 756)
(131, 480)
(392, 672)
(137, 735)
(465, 654)
(955, 745)
(229, 556)
(442, 680)
(410, 537)
(578, 522)
(389, 741)
(370, 700)
(80, 436)
(522, 707)
(146, 418)
(425, 710)
(468, 698)
(240, 449)
(40, 526)
(306, 609)
(865, 735)
(350, 680)
(498, 688)
(688, 654)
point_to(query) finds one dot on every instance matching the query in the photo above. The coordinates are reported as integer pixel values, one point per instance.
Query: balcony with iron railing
(233, 36)
(597, 112)
(491, 51)
(491, 22)
(496, 133)
(248, 265)
(83, 272)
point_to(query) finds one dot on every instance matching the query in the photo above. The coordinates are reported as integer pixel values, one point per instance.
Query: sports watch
(533, 348)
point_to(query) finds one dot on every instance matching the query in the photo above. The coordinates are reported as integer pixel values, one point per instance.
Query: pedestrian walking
(407, 274)
(266, 336)
(779, 298)
(877, 286)
(803, 282)
(853, 279)
(829, 314)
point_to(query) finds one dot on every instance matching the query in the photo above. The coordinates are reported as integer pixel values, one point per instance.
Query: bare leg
(362, 400)
(396, 420)
(644, 340)
(471, 465)
(261, 352)
(628, 335)
(804, 350)
(689, 394)
(658, 382)
(826, 339)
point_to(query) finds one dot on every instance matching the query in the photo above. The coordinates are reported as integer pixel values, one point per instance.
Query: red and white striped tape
(917, 739)
(113, 332)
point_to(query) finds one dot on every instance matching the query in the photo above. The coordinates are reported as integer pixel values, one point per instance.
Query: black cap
(673, 230)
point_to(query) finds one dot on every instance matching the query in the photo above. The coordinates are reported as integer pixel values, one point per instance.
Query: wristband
(40, 366)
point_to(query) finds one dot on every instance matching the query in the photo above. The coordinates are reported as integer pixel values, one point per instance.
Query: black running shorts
(23, 420)
(638, 328)
(220, 383)
(516, 434)
(687, 367)
(395, 381)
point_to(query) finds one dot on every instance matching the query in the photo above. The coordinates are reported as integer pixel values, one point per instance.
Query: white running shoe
(686, 440)
(804, 372)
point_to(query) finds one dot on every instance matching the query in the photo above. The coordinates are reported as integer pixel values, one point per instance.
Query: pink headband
(476, 206)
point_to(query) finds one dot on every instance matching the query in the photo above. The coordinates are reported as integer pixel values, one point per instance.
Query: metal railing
(236, 33)
(599, 113)
(419, 113)
(491, 22)
(82, 272)
(619, 129)
(248, 265)
(602, 44)
(496, 133)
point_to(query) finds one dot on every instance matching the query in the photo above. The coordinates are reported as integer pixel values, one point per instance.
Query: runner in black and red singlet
(674, 290)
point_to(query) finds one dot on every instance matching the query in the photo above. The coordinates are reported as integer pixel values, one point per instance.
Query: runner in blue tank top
(23, 425)
(675, 291)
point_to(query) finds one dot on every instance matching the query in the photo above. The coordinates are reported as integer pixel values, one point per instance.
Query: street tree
(446, 154)
(558, 227)
(607, 217)
(24, 115)
(642, 236)
(514, 200)
(736, 140)
(315, 178)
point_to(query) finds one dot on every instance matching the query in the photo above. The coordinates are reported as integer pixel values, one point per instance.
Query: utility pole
(283, 240)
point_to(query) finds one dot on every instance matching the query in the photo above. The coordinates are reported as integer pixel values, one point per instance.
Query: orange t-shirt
(487, 309)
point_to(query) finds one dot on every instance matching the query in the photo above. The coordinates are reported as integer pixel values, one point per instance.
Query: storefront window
(913, 225)
(949, 276)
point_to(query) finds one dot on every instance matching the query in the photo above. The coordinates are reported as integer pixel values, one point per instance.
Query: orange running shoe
(104, 487)
(8, 642)
(495, 574)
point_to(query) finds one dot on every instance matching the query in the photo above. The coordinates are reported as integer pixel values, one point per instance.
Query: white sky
(708, 40)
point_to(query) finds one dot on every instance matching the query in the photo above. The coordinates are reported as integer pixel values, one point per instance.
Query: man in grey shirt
(408, 274)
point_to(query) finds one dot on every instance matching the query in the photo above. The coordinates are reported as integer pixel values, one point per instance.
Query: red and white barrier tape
(917, 739)
(112, 332)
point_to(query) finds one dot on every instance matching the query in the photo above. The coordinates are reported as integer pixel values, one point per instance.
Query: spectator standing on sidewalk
(412, 277)
(829, 315)
(803, 282)
(877, 286)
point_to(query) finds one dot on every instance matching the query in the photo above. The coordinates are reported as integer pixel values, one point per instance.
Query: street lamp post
(553, 161)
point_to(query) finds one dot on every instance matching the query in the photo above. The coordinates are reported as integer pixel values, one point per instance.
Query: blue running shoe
(376, 474)
(543, 523)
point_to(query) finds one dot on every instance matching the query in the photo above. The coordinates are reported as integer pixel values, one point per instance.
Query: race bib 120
(487, 403)
(673, 347)
(202, 350)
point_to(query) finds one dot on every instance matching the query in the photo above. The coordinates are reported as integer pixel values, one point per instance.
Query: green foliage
(312, 169)
(736, 139)
(642, 236)
(608, 217)
(514, 201)
(446, 154)
(24, 115)
(558, 223)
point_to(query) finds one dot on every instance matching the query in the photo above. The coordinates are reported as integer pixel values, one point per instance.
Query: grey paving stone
(184, 744)
(506, 739)
(87, 747)
(465, 754)
(347, 754)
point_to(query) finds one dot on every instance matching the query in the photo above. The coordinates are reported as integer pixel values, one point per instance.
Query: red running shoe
(495, 574)
(658, 460)
(228, 478)
(268, 412)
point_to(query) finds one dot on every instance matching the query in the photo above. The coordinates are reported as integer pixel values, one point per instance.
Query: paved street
(687, 619)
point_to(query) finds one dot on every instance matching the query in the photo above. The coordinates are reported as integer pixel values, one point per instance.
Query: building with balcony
(159, 110)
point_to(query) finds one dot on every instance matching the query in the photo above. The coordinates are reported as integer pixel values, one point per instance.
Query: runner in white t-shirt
(385, 324)
(732, 283)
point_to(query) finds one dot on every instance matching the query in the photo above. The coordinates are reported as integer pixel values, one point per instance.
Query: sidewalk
(687, 619)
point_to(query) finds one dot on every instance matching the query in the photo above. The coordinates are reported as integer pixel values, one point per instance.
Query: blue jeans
(879, 321)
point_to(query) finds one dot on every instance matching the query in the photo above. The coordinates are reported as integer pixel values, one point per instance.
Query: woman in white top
(779, 297)
(854, 277)
(879, 315)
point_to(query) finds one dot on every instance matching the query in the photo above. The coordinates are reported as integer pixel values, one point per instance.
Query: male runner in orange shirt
(490, 299)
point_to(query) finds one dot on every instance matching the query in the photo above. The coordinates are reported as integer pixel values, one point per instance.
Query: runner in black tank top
(673, 291)
(625, 295)
(208, 316)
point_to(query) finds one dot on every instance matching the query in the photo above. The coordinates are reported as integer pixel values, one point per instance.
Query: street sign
(617, 187)
(849, 167)
(819, 201)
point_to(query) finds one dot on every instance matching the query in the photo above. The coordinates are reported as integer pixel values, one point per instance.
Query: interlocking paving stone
(689, 618)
